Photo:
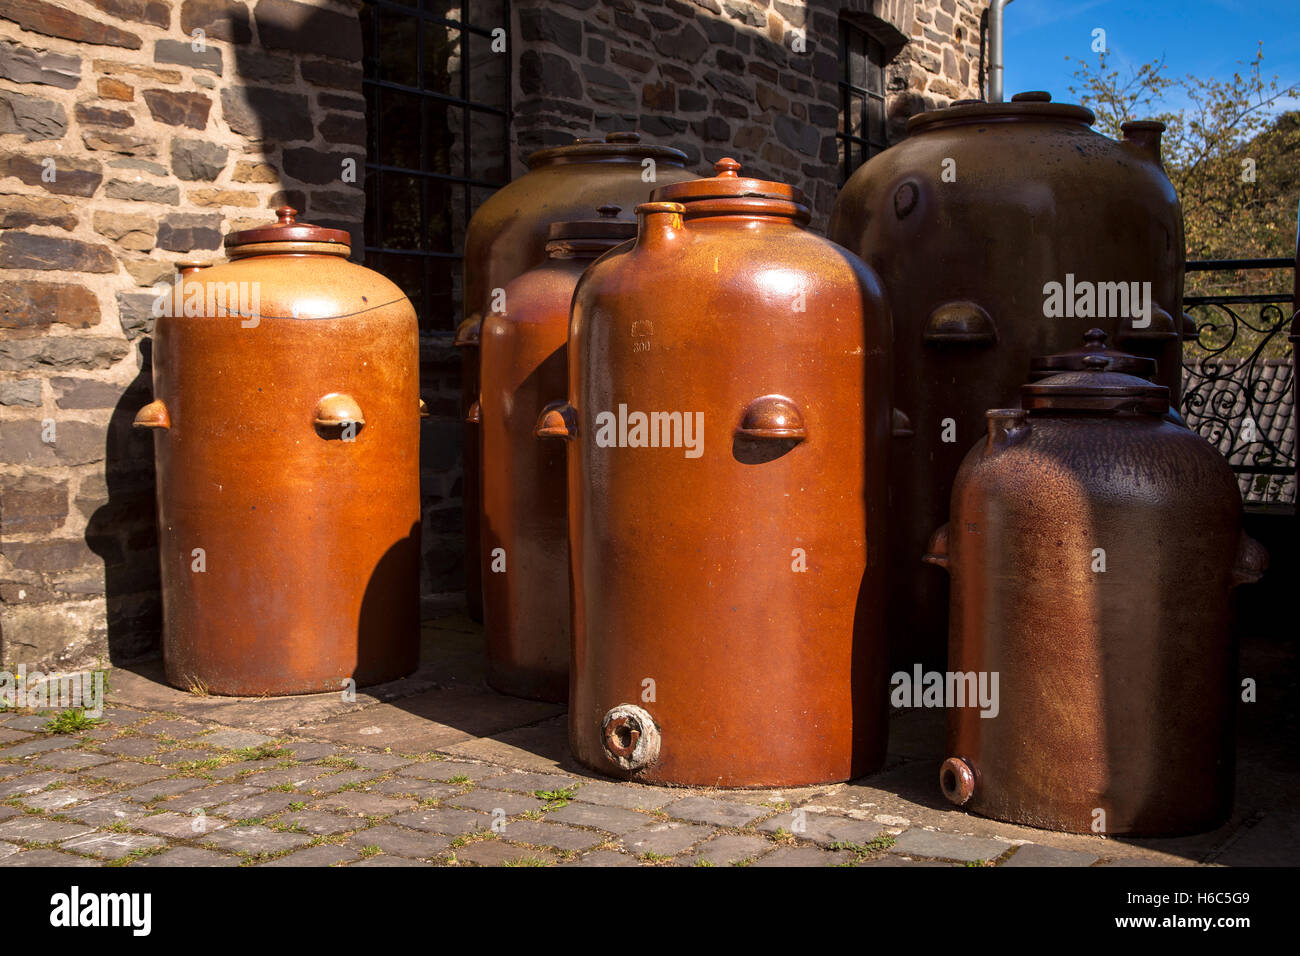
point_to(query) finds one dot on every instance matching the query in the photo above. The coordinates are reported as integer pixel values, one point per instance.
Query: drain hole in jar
(949, 783)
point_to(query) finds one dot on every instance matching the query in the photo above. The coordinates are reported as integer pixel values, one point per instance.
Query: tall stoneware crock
(972, 223)
(286, 418)
(728, 418)
(524, 363)
(507, 236)
(1093, 547)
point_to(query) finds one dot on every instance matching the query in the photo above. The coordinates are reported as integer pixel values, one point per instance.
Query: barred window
(437, 140)
(862, 131)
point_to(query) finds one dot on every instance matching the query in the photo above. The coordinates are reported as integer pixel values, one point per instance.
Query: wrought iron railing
(1237, 379)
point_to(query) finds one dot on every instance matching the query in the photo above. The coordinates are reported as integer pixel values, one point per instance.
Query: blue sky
(1203, 37)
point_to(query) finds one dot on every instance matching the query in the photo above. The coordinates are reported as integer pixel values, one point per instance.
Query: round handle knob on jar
(338, 410)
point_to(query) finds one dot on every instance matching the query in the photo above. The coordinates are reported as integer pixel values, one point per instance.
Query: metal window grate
(863, 129)
(437, 140)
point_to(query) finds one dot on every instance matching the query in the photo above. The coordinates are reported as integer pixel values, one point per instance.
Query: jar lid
(1095, 388)
(286, 228)
(607, 227)
(728, 191)
(1034, 104)
(1094, 343)
(625, 145)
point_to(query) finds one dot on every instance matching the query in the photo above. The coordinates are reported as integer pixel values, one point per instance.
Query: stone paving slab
(8, 849)
(180, 826)
(46, 858)
(188, 856)
(948, 846)
(441, 820)
(719, 813)
(664, 839)
(30, 783)
(361, 803)
(385, 860)
(325, 855)
(161, 789)
(611, 819)
(823, 828)
(255, 839)
(317, 822)
(128, 772)
(112, 846)
(107, 812)
(604, 858)
(803, 856)
(553, 835)
(34, 829)
(1031, 854)
(71, 760)
(208, 798)
(498, 853)
(624, 795)
(532, 782)
(56, 799)
(37, 745)
(491, 801)
(729, 848)
(419, 789)
(443, 770)
(401, 841)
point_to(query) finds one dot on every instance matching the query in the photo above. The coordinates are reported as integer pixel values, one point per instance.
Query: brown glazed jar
(525, 526)
(966, 222)
(507, 236)
(286, 413)
(729, 416)
(1093, 546)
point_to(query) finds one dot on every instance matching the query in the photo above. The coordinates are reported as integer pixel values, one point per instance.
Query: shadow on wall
(287, 76)
(123, 531)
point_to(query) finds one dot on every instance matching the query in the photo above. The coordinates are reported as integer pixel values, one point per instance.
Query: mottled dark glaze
(1117, 687)
(1037, 194)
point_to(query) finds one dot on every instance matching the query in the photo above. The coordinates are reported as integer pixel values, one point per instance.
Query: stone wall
(129, 142)
(752, 79)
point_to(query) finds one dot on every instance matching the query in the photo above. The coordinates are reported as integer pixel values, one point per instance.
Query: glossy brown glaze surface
(966, 221)
(728, 590)
(1093, 547)
(524, 364)
(507, 236)
(287, 447)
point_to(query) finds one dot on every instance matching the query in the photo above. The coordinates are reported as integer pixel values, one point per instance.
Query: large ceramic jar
(1093, 546)
(525, 527)
(286, 415)
(507, 236)
(972, 223)
(728, 414)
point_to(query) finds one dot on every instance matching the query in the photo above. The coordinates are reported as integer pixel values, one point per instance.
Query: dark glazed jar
(286, 415)
(1093, 547)
(966, 222)
(507, 236)
(728, 414)
(525, 529)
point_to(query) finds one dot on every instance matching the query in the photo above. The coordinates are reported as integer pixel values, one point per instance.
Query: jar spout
(1006, 427)
(1143, 137)
(661, 223)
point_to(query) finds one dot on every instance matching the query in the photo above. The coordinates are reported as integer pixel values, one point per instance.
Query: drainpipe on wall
(996, 10)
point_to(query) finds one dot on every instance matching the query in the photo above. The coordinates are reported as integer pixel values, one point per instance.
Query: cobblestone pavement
(438, 770)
